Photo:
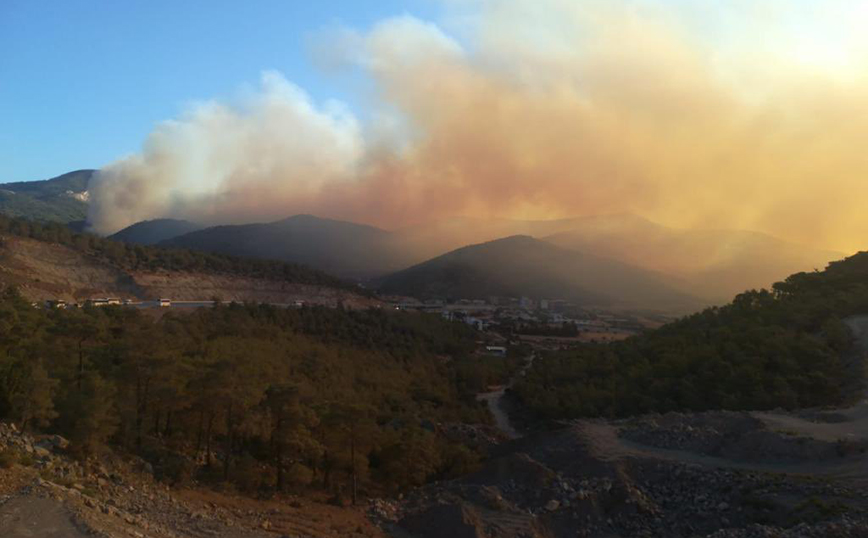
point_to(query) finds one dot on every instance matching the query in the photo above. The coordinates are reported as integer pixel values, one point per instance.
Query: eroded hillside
(44, 271)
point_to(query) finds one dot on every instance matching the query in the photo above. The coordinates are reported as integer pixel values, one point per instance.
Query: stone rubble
(555, 485)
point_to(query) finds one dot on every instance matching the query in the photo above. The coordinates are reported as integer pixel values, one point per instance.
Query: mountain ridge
(60, 199)
(345, 249)
(151, 232)
(524, 266)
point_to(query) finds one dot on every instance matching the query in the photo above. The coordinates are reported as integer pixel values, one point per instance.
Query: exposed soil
(45, 271)
(498, 404)
(585, 480)
(29, 516)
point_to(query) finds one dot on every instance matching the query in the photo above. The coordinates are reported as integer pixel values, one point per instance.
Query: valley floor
(715, 474)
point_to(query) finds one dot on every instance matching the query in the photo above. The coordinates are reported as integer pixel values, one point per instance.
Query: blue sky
(82, 82)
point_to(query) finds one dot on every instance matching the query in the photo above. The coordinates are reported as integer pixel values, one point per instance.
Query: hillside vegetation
(766, 349)
(129, 257)
(259, 396)
(57, 200)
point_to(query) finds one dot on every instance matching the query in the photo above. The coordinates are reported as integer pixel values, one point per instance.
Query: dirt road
(850, 424)
(25, 517)
(842, 424)
(496, 402)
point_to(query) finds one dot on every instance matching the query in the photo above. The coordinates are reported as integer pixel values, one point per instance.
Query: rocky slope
(672, 476)
(676, 475)
(45, 493)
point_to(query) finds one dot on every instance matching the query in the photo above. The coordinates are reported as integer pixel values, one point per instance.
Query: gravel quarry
(717, 474)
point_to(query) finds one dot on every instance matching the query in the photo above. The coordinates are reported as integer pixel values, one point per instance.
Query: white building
(498, 351)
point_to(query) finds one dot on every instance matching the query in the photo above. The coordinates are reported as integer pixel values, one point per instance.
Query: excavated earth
(718, 474)
(45, 271)
(715, 474)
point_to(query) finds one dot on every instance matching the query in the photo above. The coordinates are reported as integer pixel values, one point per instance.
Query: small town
(547, 324)
(550, 324)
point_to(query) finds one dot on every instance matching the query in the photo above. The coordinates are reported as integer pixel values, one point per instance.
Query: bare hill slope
(44, 270)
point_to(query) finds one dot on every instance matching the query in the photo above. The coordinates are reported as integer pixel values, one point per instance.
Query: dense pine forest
(780, 348)
(251, 395)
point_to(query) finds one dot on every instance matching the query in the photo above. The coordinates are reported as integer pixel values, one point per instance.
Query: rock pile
(734, 436)
(555, 486)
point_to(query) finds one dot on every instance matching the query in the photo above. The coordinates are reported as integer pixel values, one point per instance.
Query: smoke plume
(741, 115)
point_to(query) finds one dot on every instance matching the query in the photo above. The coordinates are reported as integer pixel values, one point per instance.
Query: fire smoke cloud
(739, 115)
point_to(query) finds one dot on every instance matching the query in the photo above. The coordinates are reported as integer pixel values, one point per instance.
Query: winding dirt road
(496, 402)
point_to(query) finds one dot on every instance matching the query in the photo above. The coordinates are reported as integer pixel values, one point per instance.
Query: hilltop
(151, 232)
(713, 264)
(341, 248)
(60, 199)
(48, 261)
(523, 266)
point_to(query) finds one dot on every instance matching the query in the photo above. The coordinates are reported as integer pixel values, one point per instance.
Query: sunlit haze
(741, 114)
(434, 268)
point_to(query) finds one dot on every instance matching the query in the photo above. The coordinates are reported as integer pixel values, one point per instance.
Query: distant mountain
(45, 263)
(151, 232)
(523, 266)
(60, 199)
(354, 250)
(424, 241)
(340, 248)
(711, 264)
(715, 264)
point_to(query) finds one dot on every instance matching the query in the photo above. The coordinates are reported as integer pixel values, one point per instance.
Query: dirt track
(843, 425)
(850, 423)
(24, 517)
(496, 403)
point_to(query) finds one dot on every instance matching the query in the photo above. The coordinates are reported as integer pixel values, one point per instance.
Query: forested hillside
(264, 397)
(60, 199)
(766, 349)
(142, 257)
